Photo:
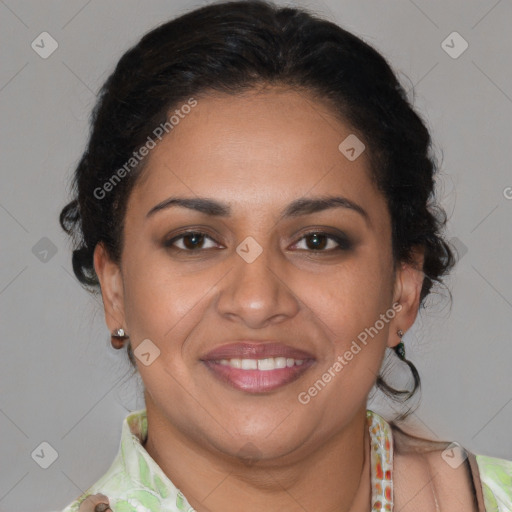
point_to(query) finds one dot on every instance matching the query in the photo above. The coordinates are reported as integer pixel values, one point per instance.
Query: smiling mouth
(257, 367)
(258, 375)
(267, 364)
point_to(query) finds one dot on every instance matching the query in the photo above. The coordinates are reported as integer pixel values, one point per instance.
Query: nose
(256, 293)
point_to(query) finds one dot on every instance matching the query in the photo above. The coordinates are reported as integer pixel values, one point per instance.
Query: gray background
(62, 383)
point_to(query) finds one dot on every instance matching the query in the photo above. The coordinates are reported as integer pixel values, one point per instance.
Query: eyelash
(343, 243)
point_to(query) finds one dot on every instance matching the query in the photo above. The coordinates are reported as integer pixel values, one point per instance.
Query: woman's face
(257, 284)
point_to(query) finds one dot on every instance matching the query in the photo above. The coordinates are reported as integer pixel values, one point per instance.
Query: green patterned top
(135, 483)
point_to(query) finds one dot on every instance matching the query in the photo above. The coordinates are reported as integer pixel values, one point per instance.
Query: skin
(258, 152)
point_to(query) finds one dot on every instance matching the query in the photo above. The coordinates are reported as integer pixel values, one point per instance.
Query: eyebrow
(301, 206)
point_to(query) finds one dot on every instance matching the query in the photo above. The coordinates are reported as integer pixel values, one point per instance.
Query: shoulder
(431, 479)
(124, 492)
(453, 475)
(121, 479)
(431, 474)
(111, 482)
(496, 478)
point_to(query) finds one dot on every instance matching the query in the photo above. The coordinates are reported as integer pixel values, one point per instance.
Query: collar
(150, 484)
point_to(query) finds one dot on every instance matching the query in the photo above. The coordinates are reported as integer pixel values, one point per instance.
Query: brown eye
(190, 241)
(316, 241)
(323, 242)
(193, 241)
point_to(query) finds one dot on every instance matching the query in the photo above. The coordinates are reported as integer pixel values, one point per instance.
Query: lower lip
(257, 381)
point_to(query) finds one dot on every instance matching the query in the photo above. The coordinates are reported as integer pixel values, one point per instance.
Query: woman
(256, 204)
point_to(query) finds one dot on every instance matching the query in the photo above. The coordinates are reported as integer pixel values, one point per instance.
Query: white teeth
(269, 363)
(249, 364)
(236, 363)
(280, 362)
(266, 364)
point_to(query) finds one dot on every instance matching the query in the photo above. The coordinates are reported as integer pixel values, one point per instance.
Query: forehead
(275, 144)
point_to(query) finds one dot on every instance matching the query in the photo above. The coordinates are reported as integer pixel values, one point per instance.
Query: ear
(112, 288)
(407, 288)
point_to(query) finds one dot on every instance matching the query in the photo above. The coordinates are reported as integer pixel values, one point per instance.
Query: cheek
(352, 297)
(158, 300)
(355, 305)
(169, 307)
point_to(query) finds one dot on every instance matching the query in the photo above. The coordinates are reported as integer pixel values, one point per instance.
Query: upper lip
(255, 350)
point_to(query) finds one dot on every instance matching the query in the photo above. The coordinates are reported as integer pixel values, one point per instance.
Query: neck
(333, 477)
